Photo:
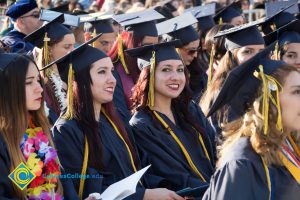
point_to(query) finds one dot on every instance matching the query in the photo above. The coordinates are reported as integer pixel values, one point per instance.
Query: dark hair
(219, 42)
(14, 113)
(181, 103)
(129, 40)
(85, 115)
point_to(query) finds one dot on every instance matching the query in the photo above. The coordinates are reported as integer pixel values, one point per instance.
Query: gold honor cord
(211, 62)
(150, 100)
(121, 137)
(295, 171)
(186, 154)
(121, 54)
(268, 177)
(84, 167)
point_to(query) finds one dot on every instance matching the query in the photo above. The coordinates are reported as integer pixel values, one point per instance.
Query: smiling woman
(170, 131)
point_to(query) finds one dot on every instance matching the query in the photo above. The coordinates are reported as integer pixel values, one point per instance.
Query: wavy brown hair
(14, 114)
(252, 125)
(227, 63)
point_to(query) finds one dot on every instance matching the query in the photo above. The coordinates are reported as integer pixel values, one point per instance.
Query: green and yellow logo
(21, 176)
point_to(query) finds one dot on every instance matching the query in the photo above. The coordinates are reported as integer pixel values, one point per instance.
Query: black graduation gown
(157, 147)
(69, 141)
(119, 100)
(6, 185)
(241, 175)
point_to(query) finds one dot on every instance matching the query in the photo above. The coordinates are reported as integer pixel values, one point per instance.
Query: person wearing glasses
(25, 17)
(181, 28)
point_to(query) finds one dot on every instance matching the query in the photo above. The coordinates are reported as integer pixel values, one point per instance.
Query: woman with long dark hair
(97, 141)
(170, 130)
(139, 30)
(24, 132)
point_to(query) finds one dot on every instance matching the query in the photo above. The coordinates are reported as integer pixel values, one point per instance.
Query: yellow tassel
(276, 51)
(94, 35)
(46, 54)
(121, 54)
(211, 62)
(220, 21)
(150, 100)
(69, 113)
(269, 81)
(273, 27)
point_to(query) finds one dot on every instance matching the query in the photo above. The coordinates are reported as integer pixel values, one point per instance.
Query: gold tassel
(150, 100)
(220, 21)
(273, 27)
(46, 54)
(276, 51)
(211, 62)
(69, 113)
(121, 54)
(94, 35)
(270, 83)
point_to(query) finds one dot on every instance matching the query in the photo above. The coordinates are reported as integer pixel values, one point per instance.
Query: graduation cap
(73, 63)
(20, 7)
(142, 22)
(204, 15)
(227, 13)
(180, 27)
(53, 30)
(150, 55)
(167, 4)
(274, 7)
(70, 20)
(276, 18)
(240, 86)
(243, 35)
(99, 22)
(290, 33)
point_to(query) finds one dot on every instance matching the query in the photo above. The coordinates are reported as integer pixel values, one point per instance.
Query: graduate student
(231, 14)
(259, 158)
(170, 130)
(139, 29)
(24, 132)
(288, 38)
(242, 43)
(90, 137)
(54, 40)
(181, 28)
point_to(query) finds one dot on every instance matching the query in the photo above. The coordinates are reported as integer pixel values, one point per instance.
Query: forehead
(293, 79)
(170, 62)
(293, 47)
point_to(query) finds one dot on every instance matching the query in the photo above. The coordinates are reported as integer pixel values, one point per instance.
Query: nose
(111, 79)
(175, 76)
(38, 88)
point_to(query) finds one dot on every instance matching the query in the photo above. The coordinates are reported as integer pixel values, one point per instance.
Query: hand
(161, 194)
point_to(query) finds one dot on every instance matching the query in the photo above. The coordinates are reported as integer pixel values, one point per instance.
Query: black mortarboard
(163, 51)
(6, 59)
(142, 22)
(100, 22)
(81, 57)
(243, 35)
(180, 27)
(20, 7)
(167, 4)
(70, 20)
(241, 85)
(289, 33)
(276, 18)
(54, 29)
(204, 16)
(226, 14)
(274, 7)
(149, 56)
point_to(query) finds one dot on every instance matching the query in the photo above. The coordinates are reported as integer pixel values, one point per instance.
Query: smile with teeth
(173, 86)
(109, 89)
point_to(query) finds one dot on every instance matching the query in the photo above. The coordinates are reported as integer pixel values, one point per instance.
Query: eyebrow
(102, 67)
(30, 77)
(180, 65)
(295, 86)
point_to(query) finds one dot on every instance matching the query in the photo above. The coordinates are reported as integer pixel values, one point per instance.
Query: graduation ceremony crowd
(206, 92)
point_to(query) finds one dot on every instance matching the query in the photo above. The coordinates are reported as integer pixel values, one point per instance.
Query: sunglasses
(191, 51)
(34, 15)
